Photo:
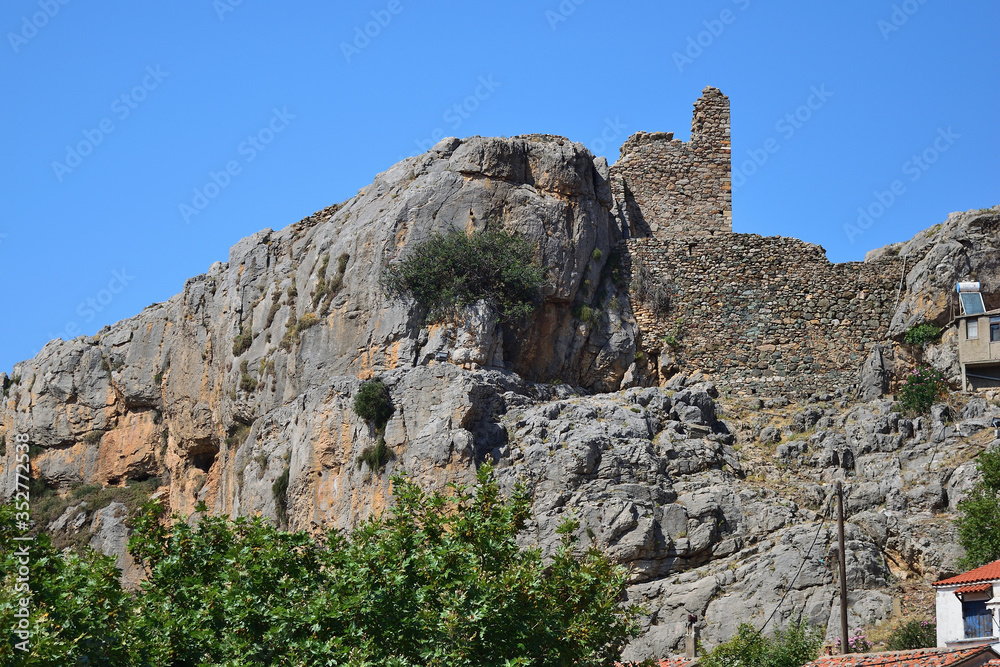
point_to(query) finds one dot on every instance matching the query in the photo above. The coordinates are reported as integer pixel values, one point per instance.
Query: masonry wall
(764, 314)
(667, 187)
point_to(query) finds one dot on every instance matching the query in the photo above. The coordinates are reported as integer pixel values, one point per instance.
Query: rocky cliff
(237, 393)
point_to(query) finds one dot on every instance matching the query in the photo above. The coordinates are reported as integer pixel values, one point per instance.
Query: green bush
(440, 579)
(794, 646)
(376, 457)
(247, 383)
(912, 635)
(921, 334)
(922, 388)
(449, 271)
(373, 403)
(242, 341)
(294, 328)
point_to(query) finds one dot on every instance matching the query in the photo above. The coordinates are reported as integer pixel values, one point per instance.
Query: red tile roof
(924, 657)
(988, 572)
(669, 662)
(974, 588)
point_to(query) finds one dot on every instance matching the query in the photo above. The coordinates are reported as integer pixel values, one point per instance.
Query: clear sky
(116, 115)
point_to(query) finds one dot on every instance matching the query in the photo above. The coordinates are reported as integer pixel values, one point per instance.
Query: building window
(972, 329)
(978, 620)
(994, 330)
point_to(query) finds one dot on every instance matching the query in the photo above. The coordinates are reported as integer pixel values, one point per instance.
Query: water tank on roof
(972, 300)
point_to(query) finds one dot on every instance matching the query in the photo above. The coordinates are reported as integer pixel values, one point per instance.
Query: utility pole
(844, 647)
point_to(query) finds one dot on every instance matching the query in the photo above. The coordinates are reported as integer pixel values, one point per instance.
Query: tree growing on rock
(449, 271)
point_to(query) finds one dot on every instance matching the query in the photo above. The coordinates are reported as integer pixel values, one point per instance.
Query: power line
(801, 567)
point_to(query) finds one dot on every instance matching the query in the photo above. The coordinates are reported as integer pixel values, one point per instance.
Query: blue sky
(116, 116)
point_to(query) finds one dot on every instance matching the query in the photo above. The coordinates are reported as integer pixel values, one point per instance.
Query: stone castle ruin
(670, 186)
(760, 314)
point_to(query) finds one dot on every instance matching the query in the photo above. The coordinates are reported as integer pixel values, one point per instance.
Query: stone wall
(666, 187)
(761, 314)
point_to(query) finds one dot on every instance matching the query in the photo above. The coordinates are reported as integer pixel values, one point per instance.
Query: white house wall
(950, 627)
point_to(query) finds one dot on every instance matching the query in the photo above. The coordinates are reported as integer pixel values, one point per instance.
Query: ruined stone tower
(669, 188)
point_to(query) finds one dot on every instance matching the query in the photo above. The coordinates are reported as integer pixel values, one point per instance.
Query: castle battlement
(667, 187)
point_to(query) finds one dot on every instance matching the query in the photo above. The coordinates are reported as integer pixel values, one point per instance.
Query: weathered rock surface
(205, 386)
(964, 247)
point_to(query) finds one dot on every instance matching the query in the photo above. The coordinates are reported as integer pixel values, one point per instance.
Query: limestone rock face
(965, 247)
(251, 369)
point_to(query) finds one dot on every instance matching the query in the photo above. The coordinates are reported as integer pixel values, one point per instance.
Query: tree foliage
(794, 646)
(373, 403)
(979, 522)
(449, 271)
(438, 580)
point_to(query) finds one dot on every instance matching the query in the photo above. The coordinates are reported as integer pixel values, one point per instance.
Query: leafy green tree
(979, 522)
(448, 271)
(77, 611)
(794, 646)
(438, 580)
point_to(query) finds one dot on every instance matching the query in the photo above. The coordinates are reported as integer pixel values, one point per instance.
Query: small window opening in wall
(977, 619)
(971, 329)
(995, 329)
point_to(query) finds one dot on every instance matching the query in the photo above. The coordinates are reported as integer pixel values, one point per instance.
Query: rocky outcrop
(250, 370)
(964, 247)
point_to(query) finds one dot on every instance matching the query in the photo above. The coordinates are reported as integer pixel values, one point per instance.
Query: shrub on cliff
(928, 332)
(922, 387)
(373, 403)
(438, 580)
(449, 271)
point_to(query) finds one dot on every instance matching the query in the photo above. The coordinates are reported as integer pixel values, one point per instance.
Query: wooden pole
(844, 647)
